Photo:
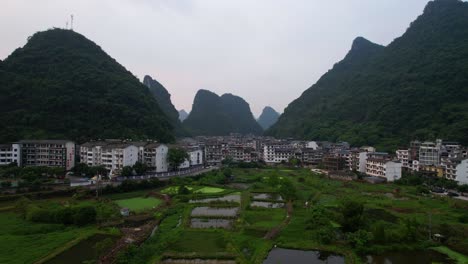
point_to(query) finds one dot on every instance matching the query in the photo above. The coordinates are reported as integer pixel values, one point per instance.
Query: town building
(403, 156)
(10, 154)
(429, 153)
(155, 157)
(111, 154)
(195, 157)
(50, 153)
(462, 172)
(380, 164)
(333, 163)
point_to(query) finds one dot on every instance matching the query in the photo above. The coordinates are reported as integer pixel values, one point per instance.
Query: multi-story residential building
(311, 156)
(10, 153)
(155, 157)
(50, 153)
(195, 159)
(414, 150)
(357, 161)
(113, 155)
(462, 172)
(215, 152)
(334, 163)
(429, 153)
(403, 156)
(379, 164)
(277, 153)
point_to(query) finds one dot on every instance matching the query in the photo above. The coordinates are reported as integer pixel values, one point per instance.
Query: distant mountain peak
(268, 117)
(362, 43)
(163, 97)
(214, 115)
(183, 115)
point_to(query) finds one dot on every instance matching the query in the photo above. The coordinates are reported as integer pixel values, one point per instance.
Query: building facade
(10, 153)
(50, 153)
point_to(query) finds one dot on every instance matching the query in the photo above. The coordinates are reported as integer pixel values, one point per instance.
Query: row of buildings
(111, 154)
(439, 158)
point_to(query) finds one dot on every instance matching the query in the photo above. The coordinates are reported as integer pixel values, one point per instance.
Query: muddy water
(210, 223)
(267, 196)
(198, 261)
(211, 211)
(267, 204)
(228, 198)
(410, 257)
(286, 256)
(83, 251)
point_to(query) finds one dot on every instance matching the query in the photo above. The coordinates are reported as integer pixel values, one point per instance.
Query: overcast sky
(266, 51)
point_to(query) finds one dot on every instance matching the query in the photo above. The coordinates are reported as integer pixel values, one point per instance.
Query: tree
(140, 168)
(351, 215)
(287, 189)
(84, 215)
(126, 171)
(6, 184)
(176, 156)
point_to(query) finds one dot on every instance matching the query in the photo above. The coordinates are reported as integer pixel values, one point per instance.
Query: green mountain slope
(268, 117)
(416, 87)
(163, 97)
(62, 85)
(214, 115)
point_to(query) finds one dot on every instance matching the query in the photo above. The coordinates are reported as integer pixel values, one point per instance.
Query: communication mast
(71, 26)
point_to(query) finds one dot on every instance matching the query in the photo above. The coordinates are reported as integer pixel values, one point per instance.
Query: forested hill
(163, 97)
(268, 117)
(62, 85)
(415, 88)
(214, 115)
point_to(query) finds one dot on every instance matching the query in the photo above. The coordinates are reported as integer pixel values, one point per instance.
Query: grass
(173, 189)
(461, 259)
(264, 218)
(139, 204)
(26, 242)
(209, 190)
(201, 242)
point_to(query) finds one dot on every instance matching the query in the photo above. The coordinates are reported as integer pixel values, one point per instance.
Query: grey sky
(266, 51)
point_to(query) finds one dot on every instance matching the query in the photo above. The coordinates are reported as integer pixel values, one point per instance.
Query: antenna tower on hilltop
(71, 26)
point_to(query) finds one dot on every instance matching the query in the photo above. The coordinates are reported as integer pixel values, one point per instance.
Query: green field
(139, 204)
(209, 190)
(201, 242)
(404, 213)
(26, 242)
(173, 189)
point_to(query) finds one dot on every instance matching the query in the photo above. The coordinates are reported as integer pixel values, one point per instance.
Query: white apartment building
(429, 153)
(155, 156)
(50, 153)
(403, 157)
(112, 155)
(357, 161)
(379, 165)
(10, 153)
(276, 153)
(195, 158)
(462, 172)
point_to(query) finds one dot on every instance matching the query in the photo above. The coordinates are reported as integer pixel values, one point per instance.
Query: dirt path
(275, 231)
(134, 235)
